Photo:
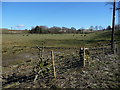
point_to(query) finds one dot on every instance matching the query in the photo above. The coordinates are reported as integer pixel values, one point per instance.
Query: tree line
(60, 30)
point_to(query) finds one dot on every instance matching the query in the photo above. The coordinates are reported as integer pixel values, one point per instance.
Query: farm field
(19, 56)
(54, 40)
(15, 44)
(60, 45)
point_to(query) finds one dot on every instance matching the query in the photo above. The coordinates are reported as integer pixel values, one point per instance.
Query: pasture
(15, 45)
(54, 40)
(19, 56)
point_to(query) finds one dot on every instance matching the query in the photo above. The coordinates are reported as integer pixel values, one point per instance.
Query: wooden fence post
(82, 56)
(52, 56)
(116, 48)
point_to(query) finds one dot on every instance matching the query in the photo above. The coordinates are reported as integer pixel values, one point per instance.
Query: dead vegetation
(102, 72)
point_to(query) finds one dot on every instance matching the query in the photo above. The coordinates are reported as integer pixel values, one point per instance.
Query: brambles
(42, 67)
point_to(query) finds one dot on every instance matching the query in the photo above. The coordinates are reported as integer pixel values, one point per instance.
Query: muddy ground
(102, 71)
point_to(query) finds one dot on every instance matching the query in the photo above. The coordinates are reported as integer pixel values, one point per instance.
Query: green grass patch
(54, 40)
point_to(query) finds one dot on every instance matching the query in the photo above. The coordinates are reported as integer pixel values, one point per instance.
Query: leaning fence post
(52, 55)
(82, 56)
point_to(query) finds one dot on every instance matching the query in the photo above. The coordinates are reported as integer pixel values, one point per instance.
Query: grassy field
(19, 58)
(16, 45)
(54, 40)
